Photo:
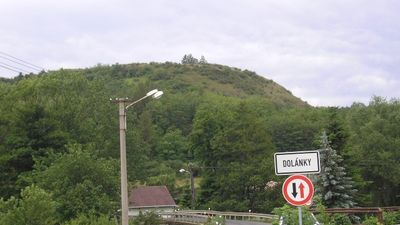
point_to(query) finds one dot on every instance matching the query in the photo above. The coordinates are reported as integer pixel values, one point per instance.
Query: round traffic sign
(298, 190)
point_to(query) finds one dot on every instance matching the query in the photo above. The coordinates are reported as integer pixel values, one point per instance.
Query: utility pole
(192, 186)
(124, 173)
(124, 104)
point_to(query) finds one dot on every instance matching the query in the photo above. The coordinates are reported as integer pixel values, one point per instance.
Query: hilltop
(173, 77)
(204, 78)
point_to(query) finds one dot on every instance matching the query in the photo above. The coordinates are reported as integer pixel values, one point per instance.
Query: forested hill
(183, 78)
(59, 140)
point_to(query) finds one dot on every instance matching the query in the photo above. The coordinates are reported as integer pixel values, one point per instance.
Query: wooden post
(380, 215)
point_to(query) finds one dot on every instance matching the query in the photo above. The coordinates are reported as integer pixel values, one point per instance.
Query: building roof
(150, 196)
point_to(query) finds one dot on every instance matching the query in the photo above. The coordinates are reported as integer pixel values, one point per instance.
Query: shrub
(218, 220)
(371, 221)
(391, 218)
(91, 220)
(149, 218)
(291, 216)
(340, 219)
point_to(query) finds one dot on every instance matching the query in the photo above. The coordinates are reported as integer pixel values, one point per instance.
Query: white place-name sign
(302, 162)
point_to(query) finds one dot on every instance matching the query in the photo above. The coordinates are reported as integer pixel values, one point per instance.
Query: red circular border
(286, 195)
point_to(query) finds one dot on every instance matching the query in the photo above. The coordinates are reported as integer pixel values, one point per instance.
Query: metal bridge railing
(186, 218)
(230, 215)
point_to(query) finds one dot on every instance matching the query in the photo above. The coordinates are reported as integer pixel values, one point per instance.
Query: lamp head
(152, 92)
(158, 94)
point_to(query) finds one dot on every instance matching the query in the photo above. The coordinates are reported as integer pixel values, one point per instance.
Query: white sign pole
(300, 216)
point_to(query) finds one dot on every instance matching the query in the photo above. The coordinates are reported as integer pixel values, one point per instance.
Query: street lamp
(124, 104)
(190, 172)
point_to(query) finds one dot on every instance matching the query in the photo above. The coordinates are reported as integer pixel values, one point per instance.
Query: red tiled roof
(150, 196)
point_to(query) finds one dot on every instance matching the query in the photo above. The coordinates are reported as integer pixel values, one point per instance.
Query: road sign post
(297, 190)
(300, 216)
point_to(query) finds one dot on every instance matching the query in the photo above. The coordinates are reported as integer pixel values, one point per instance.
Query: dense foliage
(59, 138)
(334, 185)
(35, 207)
(289, 215)
(148, 218)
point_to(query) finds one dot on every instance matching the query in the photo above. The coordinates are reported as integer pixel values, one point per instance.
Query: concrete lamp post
(190, 172)
(124, 104)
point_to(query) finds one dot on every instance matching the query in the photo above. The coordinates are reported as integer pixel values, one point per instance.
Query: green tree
(189, 59)
(334, 185)
(81, 182)
(33, 134)
(236, 159)
(295, 129)
(91, 220)
(373, 155)
(173, 145)
(176, 111)
(36, 207)
(203, 60)
(335, 131)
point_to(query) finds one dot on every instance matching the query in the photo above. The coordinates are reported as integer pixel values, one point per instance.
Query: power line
(14, 67)
(5, 67)
(19, 63)
(10, 56)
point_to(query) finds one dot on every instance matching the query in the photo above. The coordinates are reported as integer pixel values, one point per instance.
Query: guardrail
(233, 215)
(391, 208)
(201, 216)
(184, 218)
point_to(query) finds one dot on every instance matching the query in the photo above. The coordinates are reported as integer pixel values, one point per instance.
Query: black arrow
(294, 193)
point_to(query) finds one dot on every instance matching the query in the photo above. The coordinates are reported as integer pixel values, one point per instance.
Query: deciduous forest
(59, 141)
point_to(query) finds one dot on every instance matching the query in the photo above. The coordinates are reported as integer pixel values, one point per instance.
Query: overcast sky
(328, 53)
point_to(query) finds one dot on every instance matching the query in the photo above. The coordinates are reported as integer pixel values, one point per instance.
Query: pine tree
(336, 134)
(184, 59)
(203, 60)
(334, 185)
(189, 59)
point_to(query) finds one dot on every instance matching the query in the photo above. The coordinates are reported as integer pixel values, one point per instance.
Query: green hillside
(203, 78)
(59, 139)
